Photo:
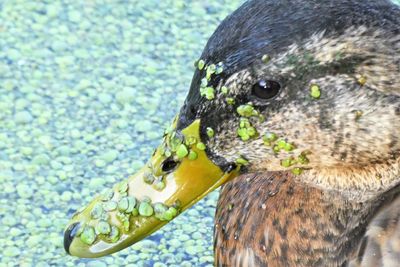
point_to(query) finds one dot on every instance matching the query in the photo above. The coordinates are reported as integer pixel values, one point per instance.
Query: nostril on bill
(69, 235)
(169, 165)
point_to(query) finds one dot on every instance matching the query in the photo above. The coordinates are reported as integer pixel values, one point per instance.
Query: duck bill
(178, 175)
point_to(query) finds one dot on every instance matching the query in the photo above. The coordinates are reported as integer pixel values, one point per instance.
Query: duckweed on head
(247, 111)
(269, 138)
(246, 130)
(265, 58)
(224, 90)
(210, 132)
(302, 159)
(208, 93)
(242, 161)
(230, 100)
(210, 70)
(288, 162)
(315, 91)
(297, 171)
(219, 68)
(201, 64)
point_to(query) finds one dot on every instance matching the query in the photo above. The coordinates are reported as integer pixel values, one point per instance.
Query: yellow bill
(178, 175)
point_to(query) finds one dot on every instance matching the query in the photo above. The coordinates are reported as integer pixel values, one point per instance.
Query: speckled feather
(351, 50)
(287, 223)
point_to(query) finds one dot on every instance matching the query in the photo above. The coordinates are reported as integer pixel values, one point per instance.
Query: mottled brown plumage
(271, 219)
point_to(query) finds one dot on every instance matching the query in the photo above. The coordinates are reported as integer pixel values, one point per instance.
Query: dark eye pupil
(266, 89)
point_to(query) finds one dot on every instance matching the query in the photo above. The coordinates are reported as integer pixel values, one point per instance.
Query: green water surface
(86, 89)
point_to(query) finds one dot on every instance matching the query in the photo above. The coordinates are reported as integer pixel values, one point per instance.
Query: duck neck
(283, 222)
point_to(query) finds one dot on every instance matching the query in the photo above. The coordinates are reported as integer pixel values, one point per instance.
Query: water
(86, 89)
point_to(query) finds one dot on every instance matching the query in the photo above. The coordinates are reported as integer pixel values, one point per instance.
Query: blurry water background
(86, 89)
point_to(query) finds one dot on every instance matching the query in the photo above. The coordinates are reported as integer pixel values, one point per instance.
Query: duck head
(301, 87)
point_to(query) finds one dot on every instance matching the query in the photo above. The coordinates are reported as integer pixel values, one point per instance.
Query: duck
(294, 111)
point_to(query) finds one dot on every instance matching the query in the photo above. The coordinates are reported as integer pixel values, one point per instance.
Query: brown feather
(270, 219)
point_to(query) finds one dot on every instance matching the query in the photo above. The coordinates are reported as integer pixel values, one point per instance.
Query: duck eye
(266, 89)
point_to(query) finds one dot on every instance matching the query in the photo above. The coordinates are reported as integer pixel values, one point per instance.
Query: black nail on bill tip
(69, 235)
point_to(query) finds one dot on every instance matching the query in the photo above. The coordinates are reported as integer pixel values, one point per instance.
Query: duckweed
(135, 212)
(148, 178)
(315, 91)
(281, 144)
(182, 151)
(191, 140)
(131, 204)
(302, 158)
(219, 68)
(247, 111)
(170, 214)
(192, 155)
(208, 93)
(242, 161)
(224, 90)
(204, 83)
(210, 132)
(110, 205)
(103, 227)
(164, 213)
(276, 149)
(88, 236)
(145, 209)
(96, 211)
(114, 234)
(269, 138)
(265, 58)
(246, 130)
(123, 187)
(289, 147)
(107, 195)
(201, 146)
(123, 204)
(210, 71)
(297, 171)
(201, 64)
(230, 101)
(159, 208)
(288, 162)
(160, 185)
(126, 225)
